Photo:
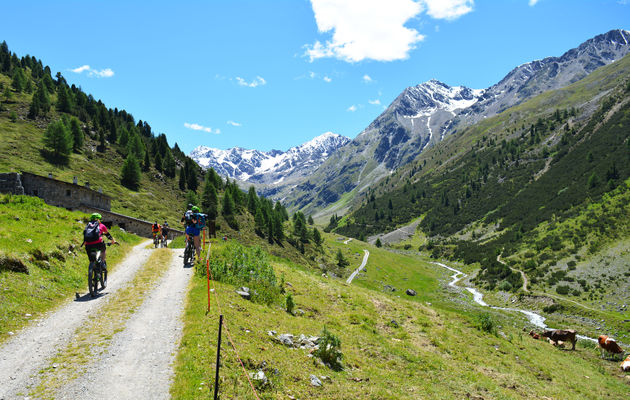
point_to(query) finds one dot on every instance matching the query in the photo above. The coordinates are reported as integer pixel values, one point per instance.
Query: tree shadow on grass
(55, 158)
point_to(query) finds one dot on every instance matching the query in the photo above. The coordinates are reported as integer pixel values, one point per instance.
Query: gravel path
(365, 259)
(26, 353)
(137, 363)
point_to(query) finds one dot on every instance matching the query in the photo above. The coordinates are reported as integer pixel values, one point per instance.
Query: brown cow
(608, 345)
(625, 365)
(534, 334)
(558, 335)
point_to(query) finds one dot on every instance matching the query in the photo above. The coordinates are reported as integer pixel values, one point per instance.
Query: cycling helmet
(195, 209)
(95, 216)
(189, 206)
(165, 223)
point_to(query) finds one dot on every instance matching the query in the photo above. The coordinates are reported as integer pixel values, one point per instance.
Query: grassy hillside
(394, 346)
(41, 263)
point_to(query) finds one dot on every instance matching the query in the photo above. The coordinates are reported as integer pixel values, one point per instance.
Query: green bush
(239, 265)
(329, 350)
(562, 289)
(486, 323)
(289, 303)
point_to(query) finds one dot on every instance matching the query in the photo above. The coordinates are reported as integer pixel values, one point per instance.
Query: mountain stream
(534, 318)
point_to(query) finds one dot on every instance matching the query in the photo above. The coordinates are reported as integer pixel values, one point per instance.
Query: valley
(410, 261)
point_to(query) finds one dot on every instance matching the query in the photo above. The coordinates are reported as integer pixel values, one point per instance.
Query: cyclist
(190, 220)
(155, 230)
(165, 232)
(93, 238)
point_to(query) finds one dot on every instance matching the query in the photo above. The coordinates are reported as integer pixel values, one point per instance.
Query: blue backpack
(201, 220)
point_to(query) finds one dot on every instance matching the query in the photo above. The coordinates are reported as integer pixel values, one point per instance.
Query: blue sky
(274, 74)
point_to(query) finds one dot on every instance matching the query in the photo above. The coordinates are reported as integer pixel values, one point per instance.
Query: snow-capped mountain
(425, 114)
(273, 167)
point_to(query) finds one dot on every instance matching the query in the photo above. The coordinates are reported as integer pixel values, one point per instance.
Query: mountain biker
(190, 220)
(165, 232)
(97, 243)
(155, 229)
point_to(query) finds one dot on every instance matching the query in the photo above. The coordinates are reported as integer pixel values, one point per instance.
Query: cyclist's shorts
(91, 249)
(192, 230)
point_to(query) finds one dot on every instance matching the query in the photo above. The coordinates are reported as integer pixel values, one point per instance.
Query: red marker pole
(208, 275)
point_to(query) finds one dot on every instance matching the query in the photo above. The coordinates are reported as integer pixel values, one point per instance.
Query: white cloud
(258, 81)
(449, 9)
(352, 108)
(533, 2)
(327, 79)
(375, 29)
(81, 69)
(233, 123)
(374, 102)
(104, 73)
(197, 127)
(217, 131)
(367, 79)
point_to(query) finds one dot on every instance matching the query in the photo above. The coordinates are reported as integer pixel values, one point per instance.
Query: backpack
(92, 232)
(188, 216)
(201, 220)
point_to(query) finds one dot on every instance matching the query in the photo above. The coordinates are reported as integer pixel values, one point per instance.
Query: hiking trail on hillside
(134, 363)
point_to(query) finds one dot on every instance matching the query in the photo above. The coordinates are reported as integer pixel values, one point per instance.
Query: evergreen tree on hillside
(228, 207)
(191, 174)
(158, 162)
(147, 162)
(210, 200)
(77, 134)
(130, 174)
(170, 167)
(64, 99)
(317, 237)
(19, 80)
(123, 139)
(259, 222)
(252, 200)
(182, 178)
(341, 260)
(218, 182)
(58, 140)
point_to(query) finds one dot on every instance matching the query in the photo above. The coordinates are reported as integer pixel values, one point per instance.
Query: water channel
(535, 319)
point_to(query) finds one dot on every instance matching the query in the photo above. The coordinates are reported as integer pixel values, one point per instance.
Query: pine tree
(252, 200)
(19, 80)
(170, 167)
(317, 237)
(259, 222)
(341, 260)
(182, 178)
(77, 134)
(102, 142)
(58, 140)
(191, 175)
(228, 207)
(64, 99)
(210, 200)
(158, 161)
(147, 162)
(130, 174)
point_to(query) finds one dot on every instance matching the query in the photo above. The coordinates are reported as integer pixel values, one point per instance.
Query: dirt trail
(137, 363)
(27, 352)
(365, 259)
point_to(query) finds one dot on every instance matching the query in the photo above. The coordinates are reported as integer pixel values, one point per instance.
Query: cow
(534, 334)
(625, 365)
(558, 335)
(608, 345)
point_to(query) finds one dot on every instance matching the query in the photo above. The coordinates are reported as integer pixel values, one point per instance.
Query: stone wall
(63, 194)
(11, 183)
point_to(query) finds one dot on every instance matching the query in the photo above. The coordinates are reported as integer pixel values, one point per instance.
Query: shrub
(329, 350)
(486, 323)
(505, 286)
(562, 289)
(289, 303)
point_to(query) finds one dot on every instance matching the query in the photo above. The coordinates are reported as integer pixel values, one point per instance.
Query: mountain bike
(163, 241)
(189, 251)
(97, 273)
(156, 240)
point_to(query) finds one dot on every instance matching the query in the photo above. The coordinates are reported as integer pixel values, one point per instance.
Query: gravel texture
(137, 363)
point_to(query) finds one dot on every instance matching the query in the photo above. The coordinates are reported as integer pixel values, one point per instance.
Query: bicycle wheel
(187, 254)
(102, 276)
(92, 279)
(155, 242)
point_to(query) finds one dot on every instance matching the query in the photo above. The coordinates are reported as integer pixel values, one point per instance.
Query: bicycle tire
(92, 280)
(187, 254)
(102, 276)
